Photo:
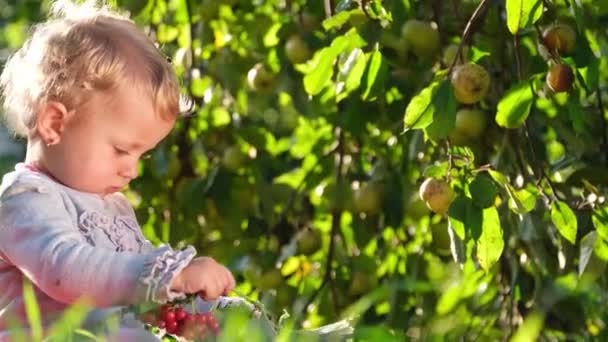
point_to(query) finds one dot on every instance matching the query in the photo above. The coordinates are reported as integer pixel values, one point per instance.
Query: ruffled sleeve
(39, 236)
(160, 269)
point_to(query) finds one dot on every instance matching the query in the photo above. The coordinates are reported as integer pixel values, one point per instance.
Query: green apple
(450, 53)
(470, 122)
(271, 279)
(471, 83)
(233, 158)
(422, 38)
(260, 79)
(297, 50)
(309, 241)
(367, 199)
(437, 194)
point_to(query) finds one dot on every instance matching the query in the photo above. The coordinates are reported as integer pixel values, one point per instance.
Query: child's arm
(38, 236)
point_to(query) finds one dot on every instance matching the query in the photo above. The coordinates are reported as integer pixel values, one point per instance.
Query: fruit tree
(428, 168)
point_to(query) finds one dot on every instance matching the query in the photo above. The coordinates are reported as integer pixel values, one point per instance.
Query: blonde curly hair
(81, 49)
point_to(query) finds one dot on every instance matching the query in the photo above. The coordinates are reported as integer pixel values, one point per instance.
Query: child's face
(100, 148)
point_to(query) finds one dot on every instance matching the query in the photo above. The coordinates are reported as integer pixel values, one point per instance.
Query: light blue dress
(72, 244)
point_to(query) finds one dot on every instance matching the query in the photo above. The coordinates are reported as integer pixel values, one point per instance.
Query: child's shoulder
(23, 179)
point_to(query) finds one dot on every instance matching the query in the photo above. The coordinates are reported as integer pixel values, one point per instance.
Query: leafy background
(306, 184)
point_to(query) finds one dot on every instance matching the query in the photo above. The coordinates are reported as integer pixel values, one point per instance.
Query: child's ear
(51, 121)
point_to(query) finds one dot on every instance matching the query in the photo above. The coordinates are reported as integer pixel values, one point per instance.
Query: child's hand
(204, 276)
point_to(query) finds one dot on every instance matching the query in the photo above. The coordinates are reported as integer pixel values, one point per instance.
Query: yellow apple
(471, 83)
(437, 194)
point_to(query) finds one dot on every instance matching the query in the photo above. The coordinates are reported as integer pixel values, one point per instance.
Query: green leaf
(320, 69)
(600, 221)
(444, 112)
(530, 329)
(483, 190)
(338, 20)
(436, 170)
(521, 13)
(490, 244)
(590, 74)
(376, 75)
(583, 55)
(351, 73)
(465, 216)
(448, 300)
(600, 249)
(419, 112)
(521, 201)
(271, 38)
(579, 15)
(477, 54)
(32, 310)
(133, 6)
(514, 107)
(499, 177)
(564, 219)
(71, 319)
(577, 115)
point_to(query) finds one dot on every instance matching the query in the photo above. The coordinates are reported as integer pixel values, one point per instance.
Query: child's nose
(130, 171)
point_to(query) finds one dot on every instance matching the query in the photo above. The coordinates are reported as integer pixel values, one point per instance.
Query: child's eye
(120, 151)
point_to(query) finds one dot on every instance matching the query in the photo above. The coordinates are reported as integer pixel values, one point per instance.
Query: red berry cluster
(179, 322)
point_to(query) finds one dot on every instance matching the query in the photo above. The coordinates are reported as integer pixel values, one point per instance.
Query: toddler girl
(91, 93)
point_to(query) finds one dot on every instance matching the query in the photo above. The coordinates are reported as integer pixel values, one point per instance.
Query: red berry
(180, 314)
(172, 327)
(161, 324)
(189, 319)
(202, 318)
(168, 316)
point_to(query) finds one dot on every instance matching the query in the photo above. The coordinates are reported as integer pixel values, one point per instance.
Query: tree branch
(467, 32)
(335, 226)
(540, 174)
(328, 8)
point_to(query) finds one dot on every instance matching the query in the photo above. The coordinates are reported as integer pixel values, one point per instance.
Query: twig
(335, 226)
(328, 8)
(540, 174)
(450, 159)
(456, 9)
(467, 32)
(517, 56)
